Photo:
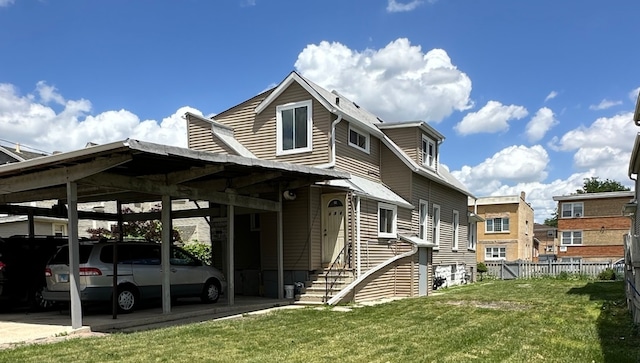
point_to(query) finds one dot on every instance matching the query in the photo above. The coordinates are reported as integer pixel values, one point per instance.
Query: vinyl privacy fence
(521, 269)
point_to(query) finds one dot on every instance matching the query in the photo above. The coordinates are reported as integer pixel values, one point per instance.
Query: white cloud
(27, 119)
(398, 82)
(394, 6)
(542, 122)
(493, 117)
(551, 95)
(604, 104)
(518, 164)
(617, 131)
(633, 95)
(6, 2)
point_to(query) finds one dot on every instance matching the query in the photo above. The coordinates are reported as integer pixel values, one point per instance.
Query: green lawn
(542, 320)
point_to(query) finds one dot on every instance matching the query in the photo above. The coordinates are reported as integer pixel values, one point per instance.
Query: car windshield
(62, 256)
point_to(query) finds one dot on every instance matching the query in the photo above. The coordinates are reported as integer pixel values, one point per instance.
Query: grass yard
(541, 320)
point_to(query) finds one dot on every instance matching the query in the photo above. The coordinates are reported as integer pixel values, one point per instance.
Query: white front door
(333, 231)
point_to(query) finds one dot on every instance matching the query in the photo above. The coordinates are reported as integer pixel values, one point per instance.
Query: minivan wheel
(211, 292)
(127, 299)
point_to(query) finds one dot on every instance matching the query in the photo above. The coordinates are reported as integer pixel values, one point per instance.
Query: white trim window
(572, 210)
(495, 253)
(456, 230)
(471, 236)
(387, 220)
(436, 224)
(429, 153)
(294, 128)
(571, 238)
(423, 220)
(359, 139)
(59, 229)
(496, 225)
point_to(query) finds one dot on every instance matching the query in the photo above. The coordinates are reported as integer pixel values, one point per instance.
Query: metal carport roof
(135, 171)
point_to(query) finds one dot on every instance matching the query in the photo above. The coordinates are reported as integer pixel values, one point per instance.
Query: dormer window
(358, 139)
(294, 127)
(429, 153)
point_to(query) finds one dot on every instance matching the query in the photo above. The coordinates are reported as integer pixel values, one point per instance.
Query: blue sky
(531, 96)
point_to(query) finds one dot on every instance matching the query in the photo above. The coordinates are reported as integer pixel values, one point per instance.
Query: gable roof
(350, 111)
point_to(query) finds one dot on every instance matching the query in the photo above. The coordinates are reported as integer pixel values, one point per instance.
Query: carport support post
(231, 289)
(74, 255)
(165, 253)
(279, 248)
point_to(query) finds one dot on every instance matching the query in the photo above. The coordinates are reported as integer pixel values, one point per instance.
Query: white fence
(522, 269)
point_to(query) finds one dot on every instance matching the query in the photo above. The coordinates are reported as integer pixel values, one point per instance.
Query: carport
(133, 171)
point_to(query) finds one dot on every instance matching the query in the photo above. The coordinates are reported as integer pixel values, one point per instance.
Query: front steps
(315, 289)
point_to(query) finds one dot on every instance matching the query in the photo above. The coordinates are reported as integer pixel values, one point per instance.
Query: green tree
(595, 185)
(553, 221)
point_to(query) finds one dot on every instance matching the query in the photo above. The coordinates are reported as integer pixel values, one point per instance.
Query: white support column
(358, 253)
(74, 255)
(231, 289)
(166, 253)
(279, 248)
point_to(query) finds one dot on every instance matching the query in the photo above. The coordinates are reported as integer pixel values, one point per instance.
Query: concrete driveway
(18, 328)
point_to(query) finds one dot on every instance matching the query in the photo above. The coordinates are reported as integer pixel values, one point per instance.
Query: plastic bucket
(288, 291)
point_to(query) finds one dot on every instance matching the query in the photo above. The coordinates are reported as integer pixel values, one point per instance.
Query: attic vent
(550, 233)
(355, 104)
(337, 101)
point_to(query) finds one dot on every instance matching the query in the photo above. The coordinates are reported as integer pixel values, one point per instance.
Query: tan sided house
(400, 218)
(506, 234)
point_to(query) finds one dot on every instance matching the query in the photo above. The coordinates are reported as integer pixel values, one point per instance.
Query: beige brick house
(591, 226)
(506, 234)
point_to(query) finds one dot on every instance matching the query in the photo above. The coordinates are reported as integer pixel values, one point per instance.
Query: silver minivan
(139, 274)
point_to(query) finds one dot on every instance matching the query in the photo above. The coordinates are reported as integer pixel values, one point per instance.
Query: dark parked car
(22, 265)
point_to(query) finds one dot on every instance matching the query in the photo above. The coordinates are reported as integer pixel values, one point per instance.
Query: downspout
(332, 156)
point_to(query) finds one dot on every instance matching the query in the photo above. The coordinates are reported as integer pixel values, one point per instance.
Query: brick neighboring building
(545, 240)
(507, 230)
(591, 226)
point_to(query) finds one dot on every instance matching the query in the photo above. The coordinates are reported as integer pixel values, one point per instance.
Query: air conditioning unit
(577, 215)
(549, 249)
(563, 248)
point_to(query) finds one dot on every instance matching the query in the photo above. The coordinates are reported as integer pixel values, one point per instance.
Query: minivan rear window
(62, 256)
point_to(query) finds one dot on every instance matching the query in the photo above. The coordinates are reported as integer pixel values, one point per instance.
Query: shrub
(482, 268)
(201, 250)
(607, 274)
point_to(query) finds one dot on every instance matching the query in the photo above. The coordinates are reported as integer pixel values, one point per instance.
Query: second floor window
(471, 236)
(572, 210)
(436, 225)
(428, 152)
(497, 225)
(424, 207)
(358, 139)
(293, 128)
